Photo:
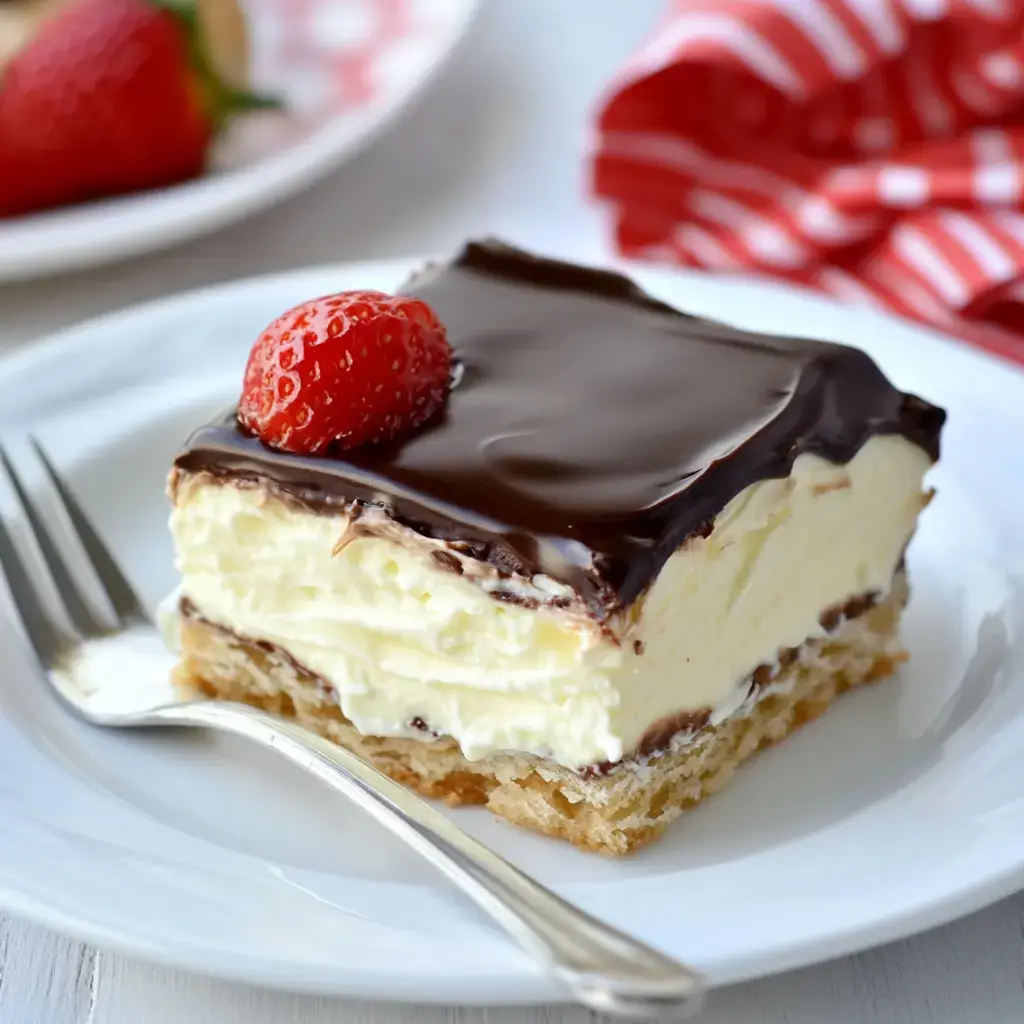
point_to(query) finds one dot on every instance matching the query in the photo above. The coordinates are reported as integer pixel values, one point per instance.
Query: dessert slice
(627, 550)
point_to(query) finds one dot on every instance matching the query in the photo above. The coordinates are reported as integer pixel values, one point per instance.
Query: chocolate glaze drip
(591, 429)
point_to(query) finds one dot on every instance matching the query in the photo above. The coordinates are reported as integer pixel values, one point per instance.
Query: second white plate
(343, 68)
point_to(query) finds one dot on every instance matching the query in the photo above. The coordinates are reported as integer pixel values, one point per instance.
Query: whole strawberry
(110, 96)
(345, 370)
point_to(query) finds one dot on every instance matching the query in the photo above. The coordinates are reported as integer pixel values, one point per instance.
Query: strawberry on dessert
(115, 96)
(345, 370)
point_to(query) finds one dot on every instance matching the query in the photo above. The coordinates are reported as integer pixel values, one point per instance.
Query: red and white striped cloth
(873, 149)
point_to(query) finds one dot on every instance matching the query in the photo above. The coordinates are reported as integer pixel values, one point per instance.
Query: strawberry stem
(240, 101)
(221, 99)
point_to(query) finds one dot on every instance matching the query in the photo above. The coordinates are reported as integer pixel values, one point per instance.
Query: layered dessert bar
(613, 553)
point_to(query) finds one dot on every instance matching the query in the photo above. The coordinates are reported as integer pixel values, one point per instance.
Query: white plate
(902, 808)
(344, 69)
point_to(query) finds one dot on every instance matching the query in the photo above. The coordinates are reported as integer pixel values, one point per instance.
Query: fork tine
(120, 592)
(71, 594)
(47, 639)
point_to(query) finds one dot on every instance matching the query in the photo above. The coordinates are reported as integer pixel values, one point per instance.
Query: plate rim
(516, 987)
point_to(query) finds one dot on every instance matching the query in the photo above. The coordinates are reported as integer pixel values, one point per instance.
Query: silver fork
(602, 968)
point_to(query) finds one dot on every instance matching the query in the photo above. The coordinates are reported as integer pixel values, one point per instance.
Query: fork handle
(603, 968)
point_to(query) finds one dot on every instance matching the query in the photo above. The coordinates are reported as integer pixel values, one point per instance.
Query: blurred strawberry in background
(103, 97)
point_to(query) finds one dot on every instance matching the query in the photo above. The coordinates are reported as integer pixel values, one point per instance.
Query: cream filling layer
(402, 638)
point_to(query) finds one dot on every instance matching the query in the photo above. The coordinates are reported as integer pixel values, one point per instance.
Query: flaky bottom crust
(611, 813)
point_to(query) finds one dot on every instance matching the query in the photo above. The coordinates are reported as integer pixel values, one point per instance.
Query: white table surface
(494, 146)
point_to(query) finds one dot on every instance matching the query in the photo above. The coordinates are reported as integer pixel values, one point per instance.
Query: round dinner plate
(901, 808)
(343, 69)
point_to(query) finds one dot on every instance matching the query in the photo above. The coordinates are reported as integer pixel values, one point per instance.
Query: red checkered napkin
(873, 149)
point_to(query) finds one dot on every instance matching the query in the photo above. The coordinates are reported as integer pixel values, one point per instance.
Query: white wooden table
(493, 147)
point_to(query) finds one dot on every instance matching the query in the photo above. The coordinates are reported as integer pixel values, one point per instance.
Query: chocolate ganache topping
(591, 428)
